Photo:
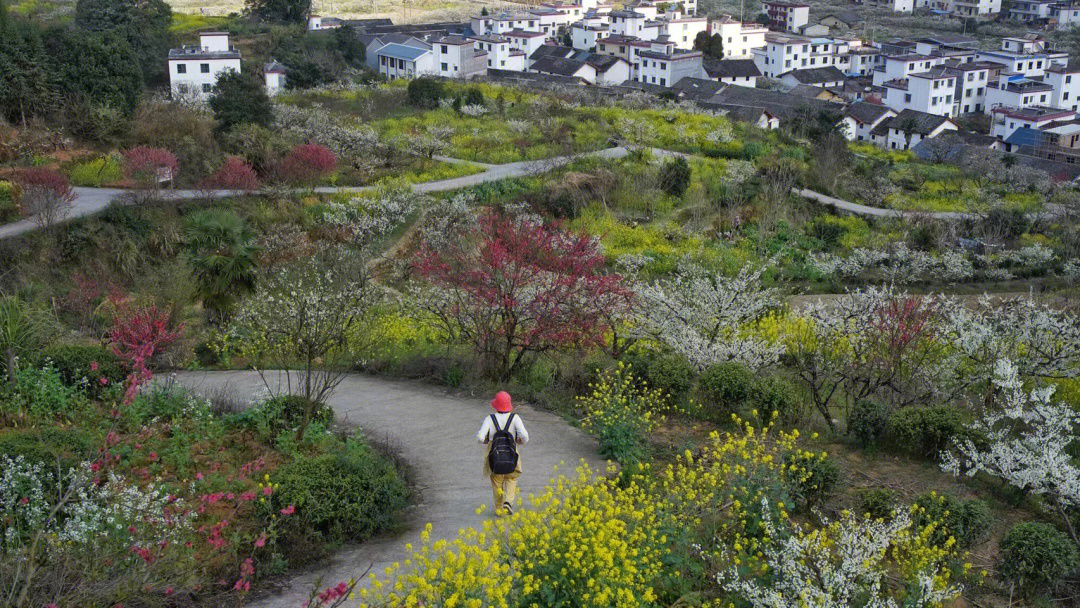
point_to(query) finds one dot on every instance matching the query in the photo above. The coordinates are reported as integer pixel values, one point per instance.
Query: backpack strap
(495, 425)
(509, 421)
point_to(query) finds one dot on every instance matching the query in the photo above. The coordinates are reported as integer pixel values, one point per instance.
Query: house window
(181, 68)
(444, 67)
(444, 50)
(907, 97)
(206, 87)
(204, 68)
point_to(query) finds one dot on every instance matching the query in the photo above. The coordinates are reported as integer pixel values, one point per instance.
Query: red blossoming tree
(234, 174)
(138, 333)
(516, 289)
(46, 195)
(149, 167)
(306, 164)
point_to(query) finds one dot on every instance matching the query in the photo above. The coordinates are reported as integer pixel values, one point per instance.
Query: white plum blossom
(1071, 271)
(840, 565)
(1038, 339)
(1023, 441)
(474, 110)
(701, 315)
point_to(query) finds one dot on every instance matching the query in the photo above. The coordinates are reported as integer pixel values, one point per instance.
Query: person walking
(502, 432)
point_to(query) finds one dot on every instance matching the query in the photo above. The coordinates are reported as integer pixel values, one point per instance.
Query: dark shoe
(508, 508)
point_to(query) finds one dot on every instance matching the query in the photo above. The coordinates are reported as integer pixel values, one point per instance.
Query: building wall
(194, 81)
(616, 75)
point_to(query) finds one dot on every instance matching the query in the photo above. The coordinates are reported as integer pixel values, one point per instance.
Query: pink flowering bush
(148, 167)
(234, 174)
(306, 164)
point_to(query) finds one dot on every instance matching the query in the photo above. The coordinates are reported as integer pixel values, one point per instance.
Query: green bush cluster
(425, 92)
(348, 494)
(669, 372)
(730, 388)
(822, 475)
(1034, 558)
(866, 422)
(95, 173)
(878, 503)
(925, 431)
(84, 366)
(9, 202)
(964, 520)
(284, 413)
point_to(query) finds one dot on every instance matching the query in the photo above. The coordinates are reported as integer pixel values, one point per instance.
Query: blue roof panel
(400, 51)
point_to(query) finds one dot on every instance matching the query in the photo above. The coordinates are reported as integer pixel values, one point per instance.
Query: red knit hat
(501, 402)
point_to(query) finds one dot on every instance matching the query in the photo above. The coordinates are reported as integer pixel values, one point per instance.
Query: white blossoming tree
(1038, 339)
(703, 315)
(302, 322)
(1023, 442)
(843, 564)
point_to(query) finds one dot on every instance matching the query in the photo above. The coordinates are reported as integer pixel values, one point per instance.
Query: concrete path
(93, 200)
(436, 434)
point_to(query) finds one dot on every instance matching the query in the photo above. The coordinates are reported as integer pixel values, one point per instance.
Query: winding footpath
(435, 433)
(93, 200)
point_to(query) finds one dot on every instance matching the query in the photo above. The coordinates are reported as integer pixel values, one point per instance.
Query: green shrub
(283, 413)
(867, 421)
(777, 394)
(84, 366)
(346, 495)
(96, 172)
(671, 373)
(925, 431)
(878, 503)
(9, 201)
(964, 520)
(675, 176)
(1035, 557)
(814, 478)
(41, 394)
(52, 447)
(425, 92)
(723, 388)
(473, 97)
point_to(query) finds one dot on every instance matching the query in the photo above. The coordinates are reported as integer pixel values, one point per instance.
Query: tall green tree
(280, 11)
(144, 24)
(24, 72)
(710, 45)
(348, 44)
(221, 252)
(95, 69)
(238, 99)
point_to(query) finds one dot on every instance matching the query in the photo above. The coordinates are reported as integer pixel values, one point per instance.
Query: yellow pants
(504, 487)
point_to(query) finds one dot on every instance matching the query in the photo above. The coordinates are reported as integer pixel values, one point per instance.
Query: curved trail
(93, 200)
(435, 433)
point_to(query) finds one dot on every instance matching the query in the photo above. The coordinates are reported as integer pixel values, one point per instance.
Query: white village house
(194, 70)
(274, 77)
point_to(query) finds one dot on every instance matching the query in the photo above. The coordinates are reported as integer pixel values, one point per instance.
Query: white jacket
(517, 428)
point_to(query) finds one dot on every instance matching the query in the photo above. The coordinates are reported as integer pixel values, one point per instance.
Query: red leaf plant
(307, 163)
(149, 166)
(137, 334)
(46, 195)
(234, 174)
(516, 289)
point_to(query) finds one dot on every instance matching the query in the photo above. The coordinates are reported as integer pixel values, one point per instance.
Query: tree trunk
(9, 354)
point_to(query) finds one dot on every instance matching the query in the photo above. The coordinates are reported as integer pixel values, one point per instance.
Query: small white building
(1017, 91)
(972, 79)
(666, 67)
(1005, 121)
(1065, 80)
(526, 42)
(684, 30)
(782, 53)
(784, 15)
(500, 54)
(739, 72)
(194, 70)
(862, 117)
(317, 23)
(457, 57)
(930, 92)
(584, 37)
(400, 61)
(908, 128)
(274, 77)
(738, 39)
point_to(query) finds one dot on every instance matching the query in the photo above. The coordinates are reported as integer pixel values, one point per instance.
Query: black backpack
(503, 456)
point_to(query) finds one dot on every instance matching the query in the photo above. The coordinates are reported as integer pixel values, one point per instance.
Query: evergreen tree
(280, 11)
(238, 99)
(712, 46)
(144, 24)
(95, 69)
(24, 76)
(346, 42)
